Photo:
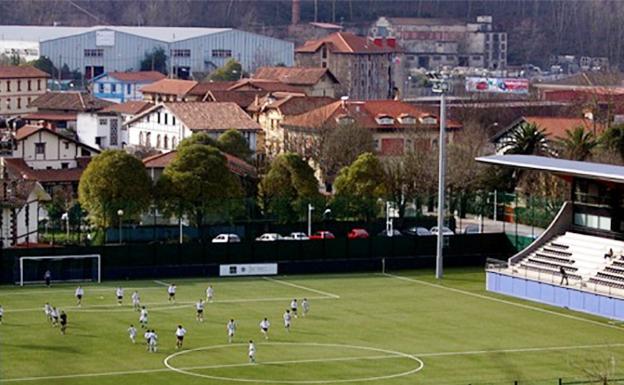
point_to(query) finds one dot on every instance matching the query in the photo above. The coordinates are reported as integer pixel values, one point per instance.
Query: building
(315, 81)
(120, 87)
(100, 49)
(364, 70)
(19, 86)
(171, 90)
(59, 109)
(163, 126)
(435, 43)
(265, 85)
(271, 110)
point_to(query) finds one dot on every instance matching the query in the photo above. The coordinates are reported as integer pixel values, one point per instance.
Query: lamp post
(310, 209)
(441, 86)
(389, 224)
(65, 217)
(120, 214)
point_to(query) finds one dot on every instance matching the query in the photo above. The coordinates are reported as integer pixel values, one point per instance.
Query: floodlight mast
(440, 86)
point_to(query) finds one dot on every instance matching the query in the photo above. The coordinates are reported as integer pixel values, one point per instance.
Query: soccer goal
(63, 268)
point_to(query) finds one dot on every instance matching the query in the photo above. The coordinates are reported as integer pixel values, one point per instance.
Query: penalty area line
(286, 283)
(162, 283)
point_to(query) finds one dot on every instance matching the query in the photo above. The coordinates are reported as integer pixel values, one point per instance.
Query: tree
(234, 143)
(114, 180)
(528, 139)
(232, 70)
(198, 138)
(155, 60)
(340, 146)
(45, 64)
(613, 139)
(288, 187)
(197, 183)
(577, 144)
(359, 187)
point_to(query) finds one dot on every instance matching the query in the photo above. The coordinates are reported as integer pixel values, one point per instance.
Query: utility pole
(310, 209)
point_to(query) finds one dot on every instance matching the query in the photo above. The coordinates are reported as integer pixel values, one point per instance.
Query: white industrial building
(95, 50)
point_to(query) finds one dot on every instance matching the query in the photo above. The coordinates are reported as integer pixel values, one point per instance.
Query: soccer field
(406, 328)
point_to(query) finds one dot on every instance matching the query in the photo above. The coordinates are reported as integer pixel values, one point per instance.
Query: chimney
(296, 12)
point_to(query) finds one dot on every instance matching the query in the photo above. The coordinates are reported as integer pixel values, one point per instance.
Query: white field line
(493, 299)
(439, 354)
(162, 283)
(161, 305)
(325, 293)
(88, 289)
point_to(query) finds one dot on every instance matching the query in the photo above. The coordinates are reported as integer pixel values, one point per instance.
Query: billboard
(104, 38)
(248, 269)
(497, 85)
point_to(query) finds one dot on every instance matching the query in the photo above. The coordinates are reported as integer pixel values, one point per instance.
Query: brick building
(18, 87)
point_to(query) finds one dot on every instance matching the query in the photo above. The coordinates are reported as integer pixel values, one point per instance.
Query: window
(221, 53)
(8, 103)
(19, 103)
(66, 145)
(436, 58)
(38, 84)
(99, 140)
(39, 148)
(84, 152)
(128, 89)
(324, 64)
(114, 125)
(103, 122)
(158, 117)
(173, 120)
(158, 141)
(166, 142)
(384, 120)
(148, 139)
(166, 118)
(376, 144)
(28, 99)
(101, 88)
(64, 165)
(29, 85)
(113, 88)
(98, 52)
(141, 138)
(181, 53)
(8, 86)
(428, 119)
(174, 142)
(407, 119)
(19, 85)
(147, 118)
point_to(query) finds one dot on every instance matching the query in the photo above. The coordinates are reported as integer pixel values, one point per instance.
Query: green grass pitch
(406, 328)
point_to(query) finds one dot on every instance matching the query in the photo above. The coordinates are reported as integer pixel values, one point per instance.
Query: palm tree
(613, 139)
(577, 144)
(528, 139)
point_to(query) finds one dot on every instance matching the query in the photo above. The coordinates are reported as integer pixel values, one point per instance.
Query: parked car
(269, 237)
(297, 237)
(419, 231)
(393, 233)
(357, 234)
(445, 231)
(226, 238)
(472, 229)
(322, 235)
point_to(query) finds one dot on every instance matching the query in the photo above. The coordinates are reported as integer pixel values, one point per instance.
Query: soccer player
(200, 310)
(147, 336)
(171, 290)
(119, 293)
(264, 328)
(252, 352)
(153, 342)
(1, 314)
(47, 309)
(305, 307)
(209, 293)
(293, 307)
(54, 314)
(63, 318)
(287, 319)
(180, 333)
(136, 301)
(79, 294)
(231, 329)
(132, 332)
(47, 277)
(143, 318)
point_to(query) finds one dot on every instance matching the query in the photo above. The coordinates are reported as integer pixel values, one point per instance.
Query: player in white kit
(119, 292)
(132, 332)
(264, 328)
(252, 352)
(136, 301)
(209, 293)
(293, 307)
(79, 293)
(1, 314)
(47, 309)
(199, 306)
(143, 317)
(305, 307)
(231, 329)
(180, 333)
(171, 290)
(152, 345)
(287, 319)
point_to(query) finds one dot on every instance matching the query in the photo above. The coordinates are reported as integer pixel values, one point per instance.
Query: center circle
(418, 361)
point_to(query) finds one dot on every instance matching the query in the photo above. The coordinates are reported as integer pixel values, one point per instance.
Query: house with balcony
(120, 87)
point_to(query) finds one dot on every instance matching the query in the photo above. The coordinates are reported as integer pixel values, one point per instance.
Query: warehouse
(95, 50)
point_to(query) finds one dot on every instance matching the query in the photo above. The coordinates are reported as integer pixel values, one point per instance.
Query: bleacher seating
(583, 259)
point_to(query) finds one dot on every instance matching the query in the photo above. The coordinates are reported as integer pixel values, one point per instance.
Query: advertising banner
(248, 269)
(497, 85)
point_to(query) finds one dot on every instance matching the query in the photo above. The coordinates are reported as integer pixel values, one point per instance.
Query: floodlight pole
(441, 87)
(310, 209)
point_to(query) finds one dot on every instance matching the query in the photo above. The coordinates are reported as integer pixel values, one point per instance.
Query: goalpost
(62, 268)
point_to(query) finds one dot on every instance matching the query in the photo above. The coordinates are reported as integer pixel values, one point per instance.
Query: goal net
(62, 268)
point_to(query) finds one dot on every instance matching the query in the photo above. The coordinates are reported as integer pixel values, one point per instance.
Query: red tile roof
(12, 72)
(138, 76)
(556, 127)
(234, 164)
(203, 88)
(29, 130)
(54, 117)
(344, 42)
(289, 104)
(242, 98)
(69, 101)
(131, 107)
(175, 87)
(303, 76)
(47, 176)
(212, 116)
(266, 85)
(364, 114)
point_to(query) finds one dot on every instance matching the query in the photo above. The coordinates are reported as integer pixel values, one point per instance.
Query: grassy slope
(373, 311)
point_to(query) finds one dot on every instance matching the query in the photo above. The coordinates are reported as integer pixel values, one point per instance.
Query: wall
(15, 95)
(57, 151)
(92, 125)
(177, 130)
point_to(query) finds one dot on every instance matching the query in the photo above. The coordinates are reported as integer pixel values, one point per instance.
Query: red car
(357, 234)
(322, 235)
